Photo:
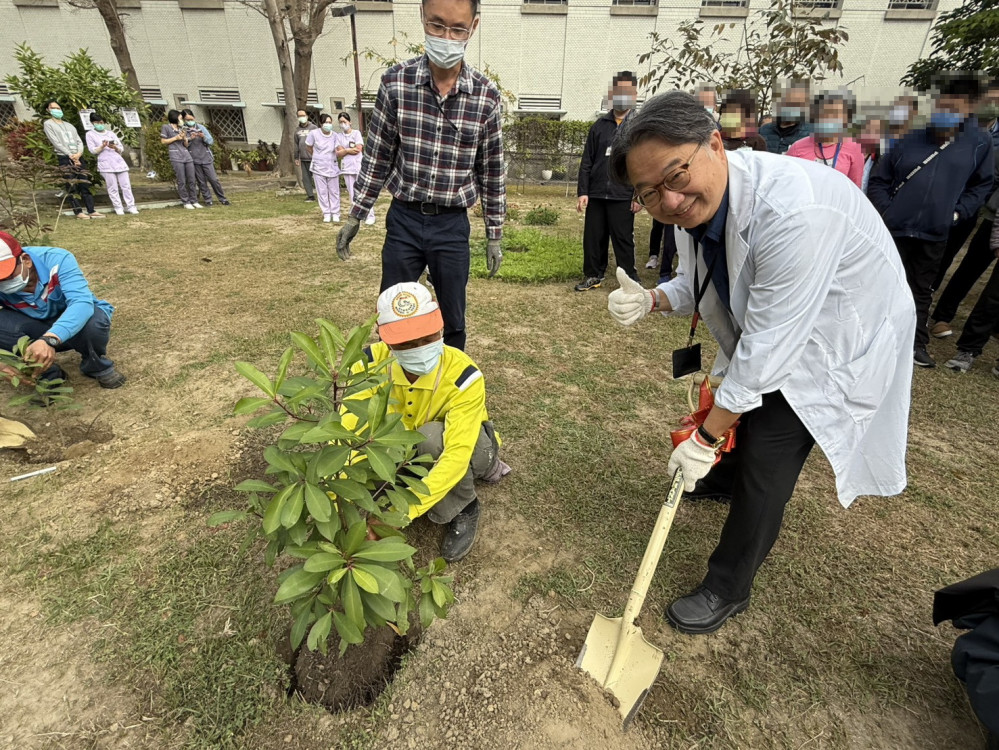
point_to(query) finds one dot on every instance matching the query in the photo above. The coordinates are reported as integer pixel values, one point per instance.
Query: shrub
(20, 375)
(541, 216)
(530, 255)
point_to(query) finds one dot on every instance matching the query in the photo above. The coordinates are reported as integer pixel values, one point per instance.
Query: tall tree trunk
(303, 70)
(119, 46)
(286, 158)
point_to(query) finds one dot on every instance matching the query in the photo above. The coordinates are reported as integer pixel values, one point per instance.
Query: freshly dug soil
(356, 679)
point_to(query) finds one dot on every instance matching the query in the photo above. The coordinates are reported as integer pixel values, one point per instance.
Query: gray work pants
(205, 175)
(307, 178)
(186, 188)
(484, 459)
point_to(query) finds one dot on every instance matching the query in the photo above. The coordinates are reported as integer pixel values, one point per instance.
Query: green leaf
(389, 581)
(279, 460)
(364, 580)
(299, 533)
(250, 404)
(272, 516)
(325, 433)
(255, 485)
(385, 550)
(349, 632)
(226, 516)
(283, 365)
(427, 611)
(348, 489)
(331, 459)
(293, 507)
(301, 624)
(355, 536)
(323, 562)
(329, 528)
(352, 351)
(295, 432)
(320, 633)
(405, 438)
(437, 591)
(308, 345)
(298, 583)
(379, 605)
(277, 416)
(336, 575)
(383, 465)
(256, 377)
(352, 606)
(271, 553)
(319, 504)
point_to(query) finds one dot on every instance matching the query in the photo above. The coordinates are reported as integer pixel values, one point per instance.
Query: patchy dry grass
(169, 624)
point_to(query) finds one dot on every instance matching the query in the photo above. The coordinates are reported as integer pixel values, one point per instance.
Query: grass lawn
(128, 623)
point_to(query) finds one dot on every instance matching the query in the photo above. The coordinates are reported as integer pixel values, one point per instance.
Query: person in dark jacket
(790, 122)
(930, 181)
(610, 210)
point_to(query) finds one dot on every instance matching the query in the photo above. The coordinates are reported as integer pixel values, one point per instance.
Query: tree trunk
(119, 46)
(303, 70)
(286, 157)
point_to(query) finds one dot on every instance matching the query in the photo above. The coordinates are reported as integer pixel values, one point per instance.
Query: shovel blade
(640, 667)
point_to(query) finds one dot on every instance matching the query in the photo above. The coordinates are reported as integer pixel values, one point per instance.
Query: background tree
(966, 38)
(773, 44)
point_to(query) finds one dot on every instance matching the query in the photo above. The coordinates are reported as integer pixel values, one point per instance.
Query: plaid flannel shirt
(425, 147)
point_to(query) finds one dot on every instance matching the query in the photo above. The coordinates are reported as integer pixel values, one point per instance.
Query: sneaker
(113, 379)
(208, 204)
(370, 220)
(653, 262)
(921, 358)
(336, 218)
(197, 205)
(960, 362)
(119, 211)
(310, 199)
(593, 282)
(460, 533)
(224, 201)
(95, 215)
(188, 205)
(941, 330)
(81, 216)
(327, 218)
(131, 210)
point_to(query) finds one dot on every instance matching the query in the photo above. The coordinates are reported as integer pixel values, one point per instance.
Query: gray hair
(675, 118)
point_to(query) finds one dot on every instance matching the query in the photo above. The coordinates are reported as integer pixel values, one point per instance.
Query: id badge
(686, 361)
(608, 151)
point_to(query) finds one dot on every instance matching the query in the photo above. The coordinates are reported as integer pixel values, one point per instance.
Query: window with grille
(724, 3)
(7, 114)
(157, 113)
(819, 4)
(221, 96)
(636, 2)
(312, 100)
(912, 5)
(546, 2)
(227, 123)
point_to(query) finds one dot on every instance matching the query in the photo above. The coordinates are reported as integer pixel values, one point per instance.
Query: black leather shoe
(702, 611)
(460, 533)
(718, 497)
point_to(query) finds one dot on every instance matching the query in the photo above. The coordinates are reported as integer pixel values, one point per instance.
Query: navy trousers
(91, 341)
(414, 241)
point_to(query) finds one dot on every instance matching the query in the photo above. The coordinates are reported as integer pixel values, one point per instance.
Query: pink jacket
(850, 160)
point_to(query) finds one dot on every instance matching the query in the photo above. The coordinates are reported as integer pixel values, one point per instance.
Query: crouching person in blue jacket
(44, 295)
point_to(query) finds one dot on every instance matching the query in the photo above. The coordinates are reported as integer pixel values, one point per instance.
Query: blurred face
(793, 104)
(833, 112)
(733, 121)
(707, 99)
(653, 162)
(956, 104)
(622, 95)
(988, 106)
(872, 131)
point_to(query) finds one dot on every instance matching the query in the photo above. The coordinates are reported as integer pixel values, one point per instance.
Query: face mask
(730, 121)
(789, 114)
(422, 360)
(13, 285)
(946, 120)
(828, 127)
(710, 111)
(345, 127)
(99, 127)
(328, 127)
(56, 113)
(898, 115)
(190, 123)
(622, 102)
(302, 120)
(444, 53)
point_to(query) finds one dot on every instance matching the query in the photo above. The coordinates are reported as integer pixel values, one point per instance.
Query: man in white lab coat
(800, 283)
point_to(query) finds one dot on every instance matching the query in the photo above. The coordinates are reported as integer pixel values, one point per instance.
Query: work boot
(460, 533)
(113, 379)
(702, 611)
(593, 282)
(941, 330)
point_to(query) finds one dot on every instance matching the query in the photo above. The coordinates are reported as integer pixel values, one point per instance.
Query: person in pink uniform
(322, 145)
(105, 144)
(828, 144)
(349, 154)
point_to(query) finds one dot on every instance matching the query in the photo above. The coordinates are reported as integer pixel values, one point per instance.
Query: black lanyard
(822, 153)
(699, 290)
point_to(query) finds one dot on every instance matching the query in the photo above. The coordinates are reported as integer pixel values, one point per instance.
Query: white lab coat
(820, 311)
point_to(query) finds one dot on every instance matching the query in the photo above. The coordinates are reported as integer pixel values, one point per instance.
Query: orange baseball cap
(406, 312)
(10, 251)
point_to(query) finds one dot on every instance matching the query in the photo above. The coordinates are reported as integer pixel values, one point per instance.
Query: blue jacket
(957, 180)
(61, 293)
(779, 140)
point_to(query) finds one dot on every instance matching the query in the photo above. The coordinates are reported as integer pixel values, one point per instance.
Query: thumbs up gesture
(631, 302)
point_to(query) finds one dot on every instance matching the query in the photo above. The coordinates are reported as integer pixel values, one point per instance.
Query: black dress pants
(974, 263)
(759, 475)
(608, 221)
(414, 241)
(662, 242)
(921, 260)
(984, 318)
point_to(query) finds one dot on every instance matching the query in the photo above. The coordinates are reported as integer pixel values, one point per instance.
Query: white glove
(695, 457)
(631, 302)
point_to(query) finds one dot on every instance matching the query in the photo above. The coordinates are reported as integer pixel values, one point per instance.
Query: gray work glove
(494, 256)
(345, 236)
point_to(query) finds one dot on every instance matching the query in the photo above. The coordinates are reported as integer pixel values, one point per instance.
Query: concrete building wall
(568, 53)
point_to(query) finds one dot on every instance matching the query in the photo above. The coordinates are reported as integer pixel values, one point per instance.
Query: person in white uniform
(798, 280)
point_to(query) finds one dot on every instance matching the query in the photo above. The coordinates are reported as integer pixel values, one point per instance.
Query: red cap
(10, 250)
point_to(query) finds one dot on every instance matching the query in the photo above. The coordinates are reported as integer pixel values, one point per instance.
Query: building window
(157, 113)
(724, 3)
(807, 5)
(226, 123)
(912, 5)
(7, 114)
(546, 2)
(649, 3)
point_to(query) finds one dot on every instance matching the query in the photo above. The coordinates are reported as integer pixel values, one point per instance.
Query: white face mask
(345, 127)
(898, 115)
(623, 101)
(444, 53)
(422, 360)
(14, 284)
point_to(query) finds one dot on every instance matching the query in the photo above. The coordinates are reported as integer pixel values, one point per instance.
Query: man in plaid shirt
(435, 142)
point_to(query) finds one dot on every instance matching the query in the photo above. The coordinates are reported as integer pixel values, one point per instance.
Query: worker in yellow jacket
(441, 393)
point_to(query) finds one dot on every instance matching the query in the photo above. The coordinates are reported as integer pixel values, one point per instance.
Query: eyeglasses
(675, 181)
(458, 33)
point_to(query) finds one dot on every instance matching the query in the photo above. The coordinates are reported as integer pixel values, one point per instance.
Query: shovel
(615, 653)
